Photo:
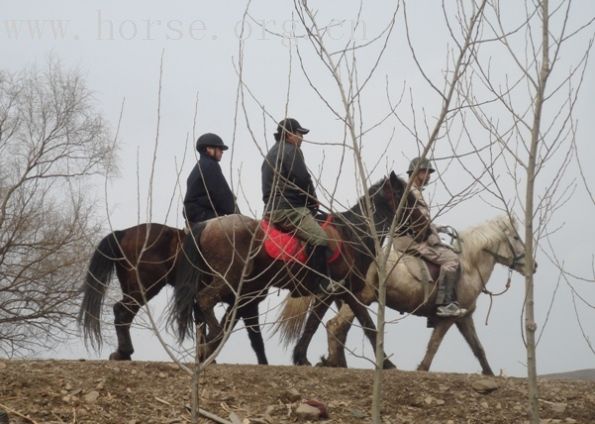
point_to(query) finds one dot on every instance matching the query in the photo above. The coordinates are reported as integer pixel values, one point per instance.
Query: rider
(290, 197)
(207, 193)
(432, 248)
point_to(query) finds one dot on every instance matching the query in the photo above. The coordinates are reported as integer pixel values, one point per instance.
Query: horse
(225, 257)
(481, 247)
(144, 258)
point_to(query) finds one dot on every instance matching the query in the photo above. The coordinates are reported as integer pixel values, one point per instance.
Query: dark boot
(446, 297)
(317, 278)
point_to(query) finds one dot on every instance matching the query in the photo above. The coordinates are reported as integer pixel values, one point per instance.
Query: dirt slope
(145, 393)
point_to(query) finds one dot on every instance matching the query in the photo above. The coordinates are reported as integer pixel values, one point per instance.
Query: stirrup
(450, 310)
(333, 287)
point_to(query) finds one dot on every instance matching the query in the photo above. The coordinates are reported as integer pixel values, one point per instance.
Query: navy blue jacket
(286, 182)
(207, 193)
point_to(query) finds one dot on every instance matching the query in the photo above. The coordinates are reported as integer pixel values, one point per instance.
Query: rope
(486, 291)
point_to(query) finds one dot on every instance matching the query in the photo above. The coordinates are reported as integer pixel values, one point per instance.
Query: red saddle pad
(282, 246)
(287, 247)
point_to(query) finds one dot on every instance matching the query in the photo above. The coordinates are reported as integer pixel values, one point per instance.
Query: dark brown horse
(143, 257)
(225, 257)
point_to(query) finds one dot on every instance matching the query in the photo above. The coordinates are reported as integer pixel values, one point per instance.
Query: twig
(163, 401)
(210, 416)
(15, 412)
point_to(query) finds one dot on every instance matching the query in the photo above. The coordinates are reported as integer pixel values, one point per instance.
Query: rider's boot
(446, 298)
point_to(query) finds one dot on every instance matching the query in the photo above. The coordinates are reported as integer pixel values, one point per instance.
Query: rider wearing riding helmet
(207, 193)
(432, 249)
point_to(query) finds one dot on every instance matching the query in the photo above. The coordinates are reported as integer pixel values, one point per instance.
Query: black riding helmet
(210, 140)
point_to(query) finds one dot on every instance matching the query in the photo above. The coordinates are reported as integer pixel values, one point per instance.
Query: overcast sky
(118, 48)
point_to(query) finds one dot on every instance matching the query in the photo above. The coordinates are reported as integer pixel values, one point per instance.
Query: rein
(491, 294)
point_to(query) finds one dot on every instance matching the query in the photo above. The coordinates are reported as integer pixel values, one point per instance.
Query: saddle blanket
(283, 246)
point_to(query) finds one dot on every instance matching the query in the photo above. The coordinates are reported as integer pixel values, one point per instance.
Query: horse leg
(124, 312)
(467, 329)
(300, 352)
(249, 314)
(206, 301)
(362, 315)
(336, 330)
(442, 326)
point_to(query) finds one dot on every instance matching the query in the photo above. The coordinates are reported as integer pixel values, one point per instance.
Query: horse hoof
(117, 356)
(388, 365)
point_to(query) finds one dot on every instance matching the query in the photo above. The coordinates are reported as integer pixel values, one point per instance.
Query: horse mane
(356, 213)
(484, 236)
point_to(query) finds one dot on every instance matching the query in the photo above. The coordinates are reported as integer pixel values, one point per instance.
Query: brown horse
(483, 246)
(143, 257)
(225, 257)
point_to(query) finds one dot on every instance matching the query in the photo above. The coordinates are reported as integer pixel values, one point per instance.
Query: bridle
(517, 258)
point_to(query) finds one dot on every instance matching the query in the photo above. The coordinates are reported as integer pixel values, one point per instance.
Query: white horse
(495, 241)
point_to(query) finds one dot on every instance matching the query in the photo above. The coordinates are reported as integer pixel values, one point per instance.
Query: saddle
(283, 246)
(422, 270)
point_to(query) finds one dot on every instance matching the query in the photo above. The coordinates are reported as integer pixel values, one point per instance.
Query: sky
(172, 70)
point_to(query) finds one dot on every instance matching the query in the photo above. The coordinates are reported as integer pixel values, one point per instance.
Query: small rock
(91, 397)
(557, 407)
(235, 418)
(428, 400)
(318, 404)
(570, 420)
(484, 386)
(100, 385)
(307, 412)
(162, 375)
(290, 395)
(358, 414)
(484, 405)
(417, 402)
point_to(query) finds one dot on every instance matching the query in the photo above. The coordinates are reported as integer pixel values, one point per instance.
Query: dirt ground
(149, 392)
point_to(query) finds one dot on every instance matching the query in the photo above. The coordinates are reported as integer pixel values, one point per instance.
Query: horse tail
(189, 272)
(290, 322)
(99, 274)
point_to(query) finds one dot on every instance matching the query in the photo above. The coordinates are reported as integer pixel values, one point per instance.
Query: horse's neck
(355, 228)
(477, 268)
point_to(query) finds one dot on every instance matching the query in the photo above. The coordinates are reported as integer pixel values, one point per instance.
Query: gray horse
(495, 241)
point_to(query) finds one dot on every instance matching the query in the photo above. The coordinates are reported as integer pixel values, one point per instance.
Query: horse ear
(395, 181)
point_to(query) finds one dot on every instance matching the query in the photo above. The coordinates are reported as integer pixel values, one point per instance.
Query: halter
(516, 258)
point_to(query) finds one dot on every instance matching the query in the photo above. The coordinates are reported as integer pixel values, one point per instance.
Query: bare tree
(535, 98)
(51, 139)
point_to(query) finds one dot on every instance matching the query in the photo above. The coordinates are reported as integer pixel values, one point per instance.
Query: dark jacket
(207, 193)
(286, 182)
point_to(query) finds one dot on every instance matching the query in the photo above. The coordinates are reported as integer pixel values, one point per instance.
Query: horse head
(510, 248)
